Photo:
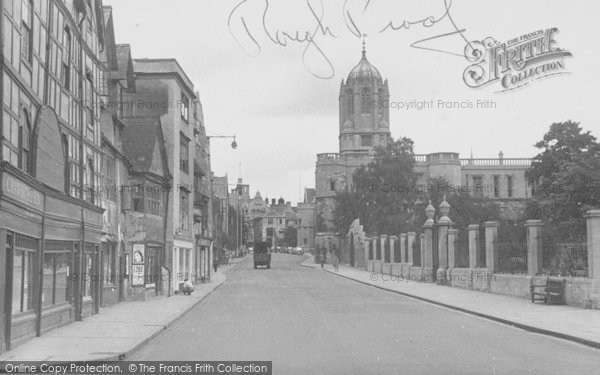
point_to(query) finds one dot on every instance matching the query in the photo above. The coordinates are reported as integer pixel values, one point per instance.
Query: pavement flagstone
(116, 331)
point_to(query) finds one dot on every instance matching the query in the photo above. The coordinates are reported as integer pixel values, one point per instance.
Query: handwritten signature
(247, 38)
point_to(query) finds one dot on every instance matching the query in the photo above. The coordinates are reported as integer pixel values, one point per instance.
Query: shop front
(49, 254)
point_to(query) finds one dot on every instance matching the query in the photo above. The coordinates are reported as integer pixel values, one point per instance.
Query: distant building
(306, 221)
(271, 225)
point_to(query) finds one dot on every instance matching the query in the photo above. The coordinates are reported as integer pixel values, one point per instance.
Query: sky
(269, 72)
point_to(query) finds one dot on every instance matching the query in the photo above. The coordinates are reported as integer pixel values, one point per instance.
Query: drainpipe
(165, 228)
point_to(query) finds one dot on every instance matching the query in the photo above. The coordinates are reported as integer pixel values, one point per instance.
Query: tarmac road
(312, 322)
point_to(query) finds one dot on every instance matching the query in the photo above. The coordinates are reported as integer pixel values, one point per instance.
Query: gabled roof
(125, 65)
(140, 140)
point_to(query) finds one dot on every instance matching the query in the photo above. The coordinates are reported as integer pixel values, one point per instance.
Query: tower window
(350, 99)
(366, 140)
(365, 106)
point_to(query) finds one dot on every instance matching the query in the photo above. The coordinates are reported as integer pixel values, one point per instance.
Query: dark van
(262, 254)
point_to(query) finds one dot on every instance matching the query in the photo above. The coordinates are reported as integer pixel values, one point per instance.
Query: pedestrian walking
(215, 264)
(336, 258)
(322, 256)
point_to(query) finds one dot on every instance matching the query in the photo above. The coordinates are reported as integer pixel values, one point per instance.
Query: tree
(383, 192)
(387, 197)
(566, 177)
(290, 236)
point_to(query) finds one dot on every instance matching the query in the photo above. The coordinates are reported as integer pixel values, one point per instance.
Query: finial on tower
(364, 49)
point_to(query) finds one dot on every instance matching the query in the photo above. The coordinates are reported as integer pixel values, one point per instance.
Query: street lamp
(211, 249)
(233, 144)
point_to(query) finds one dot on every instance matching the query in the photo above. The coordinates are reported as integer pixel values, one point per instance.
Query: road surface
(312, 322)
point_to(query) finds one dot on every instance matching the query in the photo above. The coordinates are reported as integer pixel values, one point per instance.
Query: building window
(67, 168)
(496, 186)
(366, 140)
(137, 196)
(66, 71)
(25, 143)
(381, 98)
(185, 107)
(89, 181)
(26, 26)
(23, 271)
(151, 265)
(152, 200)
(184, 217)
(108, 262)
(57, 265)
(478, 186)
(510, 186)
(89, 105)
(110, 176)
(184, 153)
(270, 221)
(88, 268)
(365, 100)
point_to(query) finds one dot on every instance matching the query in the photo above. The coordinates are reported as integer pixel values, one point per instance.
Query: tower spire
(364, 43)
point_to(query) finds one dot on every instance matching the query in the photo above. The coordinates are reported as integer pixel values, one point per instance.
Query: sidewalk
(118, 330)
(566, 322)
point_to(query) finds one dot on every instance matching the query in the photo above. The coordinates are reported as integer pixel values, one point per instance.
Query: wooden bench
(552, 292)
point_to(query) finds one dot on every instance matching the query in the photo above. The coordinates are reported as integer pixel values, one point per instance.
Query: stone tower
(364, 110)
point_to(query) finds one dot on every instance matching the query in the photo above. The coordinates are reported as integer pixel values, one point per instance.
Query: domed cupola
(364, 109)
(364, 71)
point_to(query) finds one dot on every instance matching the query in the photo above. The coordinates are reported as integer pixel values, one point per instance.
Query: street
(308, 321)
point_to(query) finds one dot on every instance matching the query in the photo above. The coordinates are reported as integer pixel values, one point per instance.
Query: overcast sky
(282, 101)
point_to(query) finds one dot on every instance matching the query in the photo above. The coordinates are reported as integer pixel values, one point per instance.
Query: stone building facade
(163, 90)
(364, 125)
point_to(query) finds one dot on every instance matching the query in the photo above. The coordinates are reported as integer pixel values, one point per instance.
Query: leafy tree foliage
(566, 176)
(290, 236)
(387, 198)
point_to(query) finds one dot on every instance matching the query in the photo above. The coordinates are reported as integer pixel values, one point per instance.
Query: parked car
(262, 254)
(297, 251)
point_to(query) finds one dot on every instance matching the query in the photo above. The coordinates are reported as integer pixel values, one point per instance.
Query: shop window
(151, 264)
(57, 264)
(108, 263)
(23, 272)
